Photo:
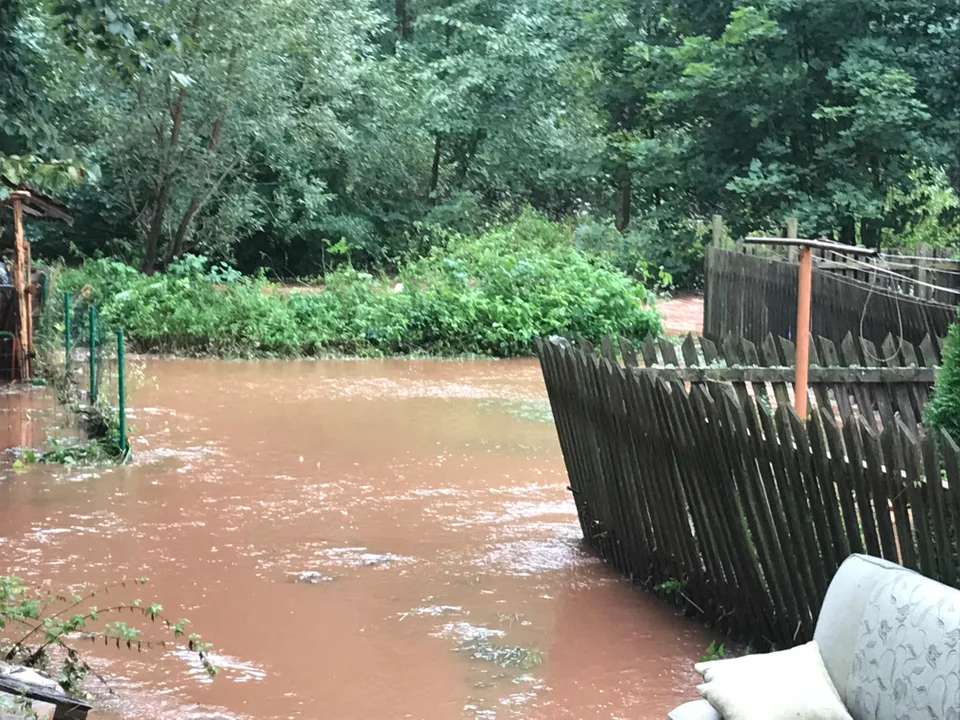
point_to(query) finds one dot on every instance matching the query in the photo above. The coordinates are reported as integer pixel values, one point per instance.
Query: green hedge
(486, 295)
(943, 410)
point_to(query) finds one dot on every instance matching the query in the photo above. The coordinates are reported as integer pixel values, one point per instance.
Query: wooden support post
(717, 226)
(19, 264)
(30, 289)
(923, 273)
(804, 293)
(792, 230)
(803, 331)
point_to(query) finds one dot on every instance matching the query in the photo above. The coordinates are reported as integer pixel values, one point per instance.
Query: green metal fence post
(93, 354)
(121, 394)
(66, 329)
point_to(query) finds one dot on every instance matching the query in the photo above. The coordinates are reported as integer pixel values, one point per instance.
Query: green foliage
(98, 451)
(927, 215)
(943, 410)
(38, 628)
(669, 587)
(714, 651)
(51, 175)
(488, 294)
(273, 135)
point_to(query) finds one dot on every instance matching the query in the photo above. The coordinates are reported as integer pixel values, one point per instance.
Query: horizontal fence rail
(715, 493)
(751, 296)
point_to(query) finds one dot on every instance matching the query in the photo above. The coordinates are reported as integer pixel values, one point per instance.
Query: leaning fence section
(694, 476)
(752, 296)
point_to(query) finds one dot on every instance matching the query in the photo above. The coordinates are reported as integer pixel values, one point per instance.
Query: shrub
(489, 295)
(943, 410)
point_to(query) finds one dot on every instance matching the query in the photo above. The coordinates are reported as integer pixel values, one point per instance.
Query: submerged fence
(79, 391)
(699, 480)
(752, 296)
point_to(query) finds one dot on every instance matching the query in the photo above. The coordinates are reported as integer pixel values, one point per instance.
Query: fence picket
(709, 478)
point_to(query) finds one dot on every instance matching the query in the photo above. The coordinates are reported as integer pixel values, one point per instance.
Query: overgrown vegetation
(487, 294)
(943, 410)
(41, 629)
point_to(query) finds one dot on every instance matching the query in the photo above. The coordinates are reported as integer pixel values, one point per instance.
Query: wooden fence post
(717, 227)
(793, 233)
(19, 265)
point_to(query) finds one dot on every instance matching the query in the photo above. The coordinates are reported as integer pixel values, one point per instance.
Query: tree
(25, 123)
(808, 110)
(193, 92)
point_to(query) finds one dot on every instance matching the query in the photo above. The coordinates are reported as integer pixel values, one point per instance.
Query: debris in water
(504, 656)
(467, 633)
(431, 611)
(313, 577)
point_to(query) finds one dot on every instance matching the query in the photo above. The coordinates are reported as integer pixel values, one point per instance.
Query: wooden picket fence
(695, 477)
(752, 296)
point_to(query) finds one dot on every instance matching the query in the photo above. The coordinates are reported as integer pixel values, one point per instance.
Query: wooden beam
(826, 375)
(19, 263)
(818, 244)
(30, 289)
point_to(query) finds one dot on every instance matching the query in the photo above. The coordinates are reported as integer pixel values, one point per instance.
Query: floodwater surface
(370, 539)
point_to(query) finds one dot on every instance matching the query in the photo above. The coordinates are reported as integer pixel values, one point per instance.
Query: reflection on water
(377, 539)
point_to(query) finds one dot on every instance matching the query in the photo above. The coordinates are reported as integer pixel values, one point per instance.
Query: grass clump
(489, 294)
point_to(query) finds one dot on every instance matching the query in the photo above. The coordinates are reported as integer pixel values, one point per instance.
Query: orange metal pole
(803, 331)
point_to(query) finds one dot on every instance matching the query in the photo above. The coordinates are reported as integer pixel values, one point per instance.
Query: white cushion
(841, 615)
(696, 710)
(905, 661)
(788, 685)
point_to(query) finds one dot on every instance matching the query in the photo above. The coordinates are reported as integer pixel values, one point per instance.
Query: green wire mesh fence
(77, 408)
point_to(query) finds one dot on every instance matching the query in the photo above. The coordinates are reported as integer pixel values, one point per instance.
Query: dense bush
(489, 295)
(943, 410)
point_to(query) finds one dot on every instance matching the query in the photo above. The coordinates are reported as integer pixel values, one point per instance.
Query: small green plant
(98, 451)
(943, 410)
(669, 587)
(38, 629)
(714, 651)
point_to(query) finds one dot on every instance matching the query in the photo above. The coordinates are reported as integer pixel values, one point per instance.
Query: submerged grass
(487, 295)
(505, 656)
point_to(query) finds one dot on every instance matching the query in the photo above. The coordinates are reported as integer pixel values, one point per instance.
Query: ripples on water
(379, 539)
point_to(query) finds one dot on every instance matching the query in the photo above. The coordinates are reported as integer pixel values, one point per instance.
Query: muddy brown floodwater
(426, 499)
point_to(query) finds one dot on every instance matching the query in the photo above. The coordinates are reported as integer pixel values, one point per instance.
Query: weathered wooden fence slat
(751, 296)
(695, 477)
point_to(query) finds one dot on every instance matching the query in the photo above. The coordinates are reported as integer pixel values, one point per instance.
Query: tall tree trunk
(156, 226)
(623, 204)
(870, 232)
(163, 187)
(463, 167)
(404, 25)
(435, 168)
(175, 246)
(848, 231)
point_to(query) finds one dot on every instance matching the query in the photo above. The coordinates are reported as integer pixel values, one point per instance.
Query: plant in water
(39, 629)
(505, 656)
(714, 651)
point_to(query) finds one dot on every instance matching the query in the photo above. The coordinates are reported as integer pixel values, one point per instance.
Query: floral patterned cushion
(906, 663)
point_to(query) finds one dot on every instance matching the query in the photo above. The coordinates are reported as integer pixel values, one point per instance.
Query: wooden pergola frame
(23, 201)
